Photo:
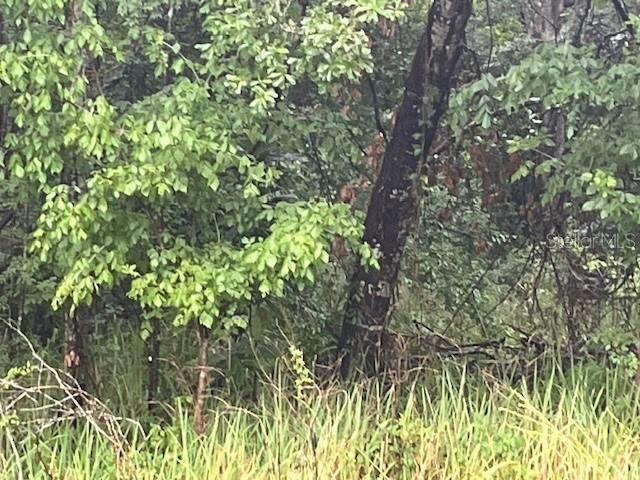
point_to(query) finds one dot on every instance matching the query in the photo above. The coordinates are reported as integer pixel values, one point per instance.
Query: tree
(567, 112)
(169, 193)
(395, 197)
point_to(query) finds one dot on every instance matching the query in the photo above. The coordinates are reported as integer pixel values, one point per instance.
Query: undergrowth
(577, 424)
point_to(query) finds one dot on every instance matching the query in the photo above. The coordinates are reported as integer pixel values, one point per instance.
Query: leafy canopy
(166, 189)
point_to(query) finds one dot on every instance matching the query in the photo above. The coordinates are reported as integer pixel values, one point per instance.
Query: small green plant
(620, 348)
(303, 379)
(16, 373)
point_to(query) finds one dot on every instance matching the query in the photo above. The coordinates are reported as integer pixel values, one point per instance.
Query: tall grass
(583, 425)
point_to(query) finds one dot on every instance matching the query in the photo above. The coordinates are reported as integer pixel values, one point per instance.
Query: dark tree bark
(395, 197)
(75, 359)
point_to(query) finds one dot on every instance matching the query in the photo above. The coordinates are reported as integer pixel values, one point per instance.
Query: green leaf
(18, 171)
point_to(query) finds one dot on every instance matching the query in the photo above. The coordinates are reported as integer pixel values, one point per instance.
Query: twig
(513, 285)
(75, 403)
(546, 19)
(577, 38)
(490, 21)
(473, 288)
(315, 154)
(536, 282)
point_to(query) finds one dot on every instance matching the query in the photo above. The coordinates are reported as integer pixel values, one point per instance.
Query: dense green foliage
(169, 188)
(184, 186)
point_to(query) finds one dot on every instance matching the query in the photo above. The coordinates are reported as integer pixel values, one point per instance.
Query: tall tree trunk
(153, 366)
(395, 197)
(203, 380)
(543, 19)
(75, 360)
(74, 351)
(153, 342)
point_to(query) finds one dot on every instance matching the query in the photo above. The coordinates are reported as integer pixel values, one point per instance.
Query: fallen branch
(40, 406)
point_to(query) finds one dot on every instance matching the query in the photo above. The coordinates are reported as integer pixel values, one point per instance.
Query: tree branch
(623, 13)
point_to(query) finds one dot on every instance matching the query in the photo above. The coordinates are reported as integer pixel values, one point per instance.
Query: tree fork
(396, 194)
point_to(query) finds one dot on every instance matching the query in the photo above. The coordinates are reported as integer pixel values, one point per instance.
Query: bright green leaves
(96, 269)
(332, 49)
(18, 11)
(607, 197)
(215, 283)
(598, 102)
(88, 242)
(297, 244)
(167, 186)
(193, 284)
(246, 55)
(530, 142)
(367, 11)
(150, 157)
(260, 49)
(43, 80)
(93, 132)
